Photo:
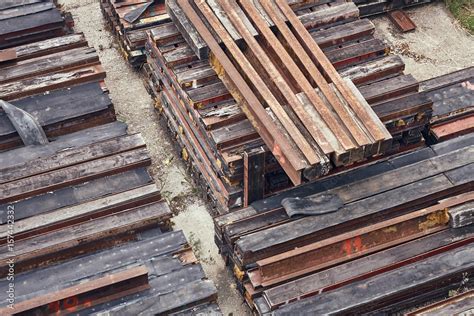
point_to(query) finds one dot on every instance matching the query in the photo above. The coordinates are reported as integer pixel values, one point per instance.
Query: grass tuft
(463, 10)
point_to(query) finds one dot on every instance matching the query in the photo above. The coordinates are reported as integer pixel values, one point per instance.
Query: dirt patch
(439, 45)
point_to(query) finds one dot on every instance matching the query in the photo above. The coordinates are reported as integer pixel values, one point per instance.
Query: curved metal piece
(30, 131)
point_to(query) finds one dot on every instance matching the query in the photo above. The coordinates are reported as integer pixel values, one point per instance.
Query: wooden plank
(269, 134)
(343, 33)
(389, 88)
(456, 128)
(82, 212)
(254, 176)
(75, 174)
(447, 80)
(231, 134)
(77, 194)
(67, 60)
(7, 4)
(318, 57)
(71, 157)
(20, 25)
(50, 46)
(48, 82)
(375, 70)
(187, 29)
(61, 106)
(25, 10)
(366, 267)
(324, 111)
(456, 305)
(452, 101)
(77, 139)
(87, 237)
(332, 15)
(191, 294)
(355, 53)
(133, 278)
(7, 55)
(443, 271)
(402, 107)
(402, 21)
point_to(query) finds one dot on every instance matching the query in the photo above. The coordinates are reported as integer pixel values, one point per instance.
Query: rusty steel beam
(319, 58)
(260, 85)
(84, 295)
(316, 131)
(369, 266)
(357, 243)
(352, 126)
(284, 153)
(461, 304)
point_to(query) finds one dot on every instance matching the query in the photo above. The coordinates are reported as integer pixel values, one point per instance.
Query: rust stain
(239, 274)
(399, 123)
(437, 218)
(346, 247)
(357, 243)
(278, 154)
(184, 154)
(391, 229)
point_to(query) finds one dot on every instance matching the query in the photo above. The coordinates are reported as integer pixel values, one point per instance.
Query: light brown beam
(321, 134)
(350, 122)
(273, 138)
(319, 58)
(260, 85)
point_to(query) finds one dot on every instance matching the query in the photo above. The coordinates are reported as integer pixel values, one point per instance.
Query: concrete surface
(438, 46)
(135, 107)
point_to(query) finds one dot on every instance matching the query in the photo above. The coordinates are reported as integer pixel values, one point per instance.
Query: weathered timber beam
(358, 242)
(273, 138)
(262, 88)
(355, 127)
(341, 141)
(319, 58)
(85, 294)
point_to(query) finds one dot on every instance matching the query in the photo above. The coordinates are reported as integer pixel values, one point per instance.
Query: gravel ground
(437, 46)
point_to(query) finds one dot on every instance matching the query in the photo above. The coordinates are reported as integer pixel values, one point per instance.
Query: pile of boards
(83, 226)
(215, 133)
(381, 238)
(372, 7)
(25, 21)
(129, 20)
(61, 73)
(453, 104)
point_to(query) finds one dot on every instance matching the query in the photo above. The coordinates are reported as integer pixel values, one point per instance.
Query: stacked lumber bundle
(154, 273)
(453, 104)
(23, 22)
(381, 238)
(373, 7)
(81, 194)
(213, 129)
(129, 20)
(83, 227)
(58, 81)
